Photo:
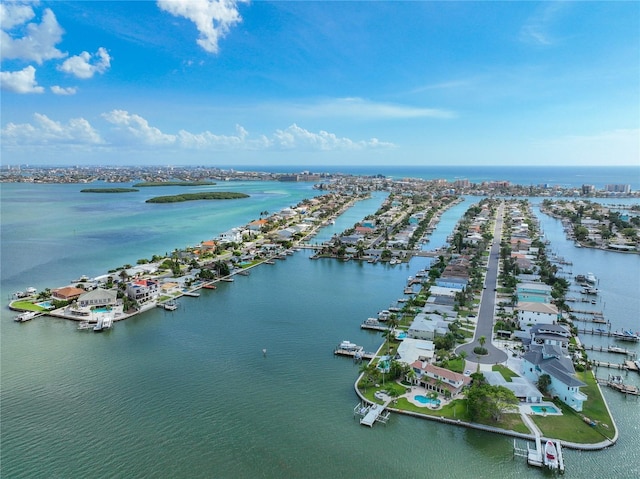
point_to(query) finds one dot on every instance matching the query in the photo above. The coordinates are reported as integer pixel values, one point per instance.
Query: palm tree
(482, 340)
(388, 334)
(368, 371)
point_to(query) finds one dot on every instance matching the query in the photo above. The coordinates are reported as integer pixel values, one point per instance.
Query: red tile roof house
(441, 380)
(68, 293)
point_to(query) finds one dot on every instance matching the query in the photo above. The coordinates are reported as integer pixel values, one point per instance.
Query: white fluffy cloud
(58, 90)
(133, 127)
(14, 14)
(132, 130)
(45, 131)
(86, 65)
(23, 81)
(295, 137)
(212, 18)
(33, 41)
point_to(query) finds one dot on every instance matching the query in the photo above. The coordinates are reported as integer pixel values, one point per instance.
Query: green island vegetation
(218, 195)
(145, 184)
(109, 190)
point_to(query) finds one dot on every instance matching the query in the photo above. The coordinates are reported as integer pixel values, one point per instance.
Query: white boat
(170, 305)
(348, 346)
(550, 455)
(591, 278)
(27, 316)
(83, 325)
(104, 322)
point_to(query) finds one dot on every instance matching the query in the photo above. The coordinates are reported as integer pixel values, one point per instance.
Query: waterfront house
(411, 350)
(441, 380)
(234, 235)
(68, 293)
(533, 292)
(551, 334)
(143, 290)
(97, 298)
(532, 313)
(425, 327)
(257, 225)
(524, 390)
(550, 360)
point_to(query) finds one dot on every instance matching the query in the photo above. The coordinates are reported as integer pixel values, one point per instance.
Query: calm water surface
(190, 394)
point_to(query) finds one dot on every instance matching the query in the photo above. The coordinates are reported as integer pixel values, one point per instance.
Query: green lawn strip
(457, 409)
(28, 306)
(571, 426)
(455, 365)
(568, 427)
(507, 373)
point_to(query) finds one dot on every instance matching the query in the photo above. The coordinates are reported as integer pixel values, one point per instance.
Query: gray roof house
(549, 359)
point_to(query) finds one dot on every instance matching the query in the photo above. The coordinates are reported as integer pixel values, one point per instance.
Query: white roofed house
(524, 390)
(411, 350)
(234, 235)
(532, 313)
(143, 290)
(422, 327)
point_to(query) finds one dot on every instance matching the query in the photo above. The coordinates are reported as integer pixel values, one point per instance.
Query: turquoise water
(101, 310)
(544, 409)
(189, 393)
(45, 304)
(425, 400)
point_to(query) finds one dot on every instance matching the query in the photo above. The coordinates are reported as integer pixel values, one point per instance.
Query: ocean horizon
(563, 176)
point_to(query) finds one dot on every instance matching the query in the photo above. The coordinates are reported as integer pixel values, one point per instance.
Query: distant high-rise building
(588, 189)
(625, 189)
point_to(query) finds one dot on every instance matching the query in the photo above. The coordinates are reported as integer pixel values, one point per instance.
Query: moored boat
(26, 316)
(551, 455)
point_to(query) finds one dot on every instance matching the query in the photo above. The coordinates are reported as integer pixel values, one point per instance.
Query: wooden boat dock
(354, 353)
(617, 383)
(610, 349)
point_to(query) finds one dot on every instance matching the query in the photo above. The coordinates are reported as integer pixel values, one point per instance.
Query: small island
(219, 195)
(145, 184)
(109, 190)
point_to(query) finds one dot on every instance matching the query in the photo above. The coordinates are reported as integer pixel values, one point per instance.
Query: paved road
(484, 326)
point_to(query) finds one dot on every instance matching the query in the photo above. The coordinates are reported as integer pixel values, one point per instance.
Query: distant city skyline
(320, 83)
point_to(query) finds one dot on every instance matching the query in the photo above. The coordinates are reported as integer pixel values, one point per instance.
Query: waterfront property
(551, 360)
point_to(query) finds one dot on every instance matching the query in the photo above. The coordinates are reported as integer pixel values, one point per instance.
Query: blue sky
(320, 83)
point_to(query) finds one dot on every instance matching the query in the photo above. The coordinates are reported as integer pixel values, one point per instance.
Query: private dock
(611, 349)
(374, 326)
(623, 336)
(356, 354)
(370, 414)
(617, 383)
(537, 457)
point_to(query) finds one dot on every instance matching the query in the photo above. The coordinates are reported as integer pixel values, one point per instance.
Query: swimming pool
(548, 409)
(101, 309)
(401, 335)
(425, 400)
(45, 304)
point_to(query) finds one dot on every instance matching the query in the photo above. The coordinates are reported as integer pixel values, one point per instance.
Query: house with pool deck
(440, 380)
(552, 360)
